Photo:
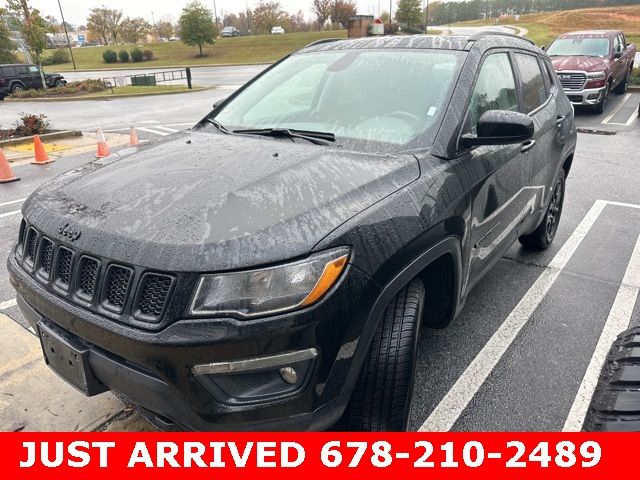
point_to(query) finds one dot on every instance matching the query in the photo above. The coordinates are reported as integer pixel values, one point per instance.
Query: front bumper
(586, 97)
(154, 369)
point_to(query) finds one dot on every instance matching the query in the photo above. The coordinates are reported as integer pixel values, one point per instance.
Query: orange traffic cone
(103, 148)
(133, 138)
(40, 153)
(6, 175)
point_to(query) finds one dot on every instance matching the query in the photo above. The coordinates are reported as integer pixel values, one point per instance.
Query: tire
(16, 87)
(59, 83)
(624, 84)
(542, 237)
(602, 105)
(615, 406)
(381, 400)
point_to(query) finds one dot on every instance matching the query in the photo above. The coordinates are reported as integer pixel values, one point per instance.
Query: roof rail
(477, 36)
(324, 40)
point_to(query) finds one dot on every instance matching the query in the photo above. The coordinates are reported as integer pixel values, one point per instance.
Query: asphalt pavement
(517, 356)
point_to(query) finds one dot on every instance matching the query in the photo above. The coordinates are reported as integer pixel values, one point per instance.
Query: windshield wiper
(318, 138)
(218, 125)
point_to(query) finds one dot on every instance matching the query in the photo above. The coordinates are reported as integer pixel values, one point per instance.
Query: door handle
(560, 119)
(528, 145)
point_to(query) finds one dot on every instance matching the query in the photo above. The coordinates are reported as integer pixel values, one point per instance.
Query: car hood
(580, 63)
(201, 201)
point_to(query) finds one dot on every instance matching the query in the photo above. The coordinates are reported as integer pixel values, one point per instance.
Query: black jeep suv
(271, 268)
(18, 77)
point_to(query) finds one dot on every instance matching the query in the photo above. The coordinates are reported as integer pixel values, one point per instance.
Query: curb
(111, 97)
(47, 136)
(634, 88)
(166, 66)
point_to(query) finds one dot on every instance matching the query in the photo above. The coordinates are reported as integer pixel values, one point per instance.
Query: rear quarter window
(21, 70)
(9, 71)
(534, 91)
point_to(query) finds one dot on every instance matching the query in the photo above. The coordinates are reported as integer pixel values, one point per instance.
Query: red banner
(267, 456)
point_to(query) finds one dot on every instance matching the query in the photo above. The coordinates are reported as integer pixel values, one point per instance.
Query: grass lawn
(242, 50)
(544, 27)
(128, 90)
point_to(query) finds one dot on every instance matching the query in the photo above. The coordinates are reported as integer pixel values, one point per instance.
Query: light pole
(426, 18)
(64, 25)
(215, 14)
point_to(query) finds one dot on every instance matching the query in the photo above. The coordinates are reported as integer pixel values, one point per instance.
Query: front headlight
(270, 290)
(596, 76)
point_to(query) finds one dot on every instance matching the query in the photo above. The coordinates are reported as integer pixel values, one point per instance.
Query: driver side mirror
(218, 103)
(617, 55)
(544, 48)
(500, 127)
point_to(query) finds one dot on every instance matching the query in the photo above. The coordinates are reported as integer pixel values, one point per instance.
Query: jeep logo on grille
(71, 233)
(565, 77)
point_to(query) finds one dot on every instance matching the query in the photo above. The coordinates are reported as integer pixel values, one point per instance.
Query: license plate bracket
(68, 356)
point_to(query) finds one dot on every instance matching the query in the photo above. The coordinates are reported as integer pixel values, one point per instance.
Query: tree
(165, 27)
(268, 15)
(409, 12)
(385, 17)
(196, 25)
(6, 45)
(33, 27)
(104, 23)
(297, 22)
(322, 10)
(132, 29)
(342, 10)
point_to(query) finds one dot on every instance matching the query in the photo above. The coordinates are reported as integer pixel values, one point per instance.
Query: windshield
(363, 96)
(590, 47)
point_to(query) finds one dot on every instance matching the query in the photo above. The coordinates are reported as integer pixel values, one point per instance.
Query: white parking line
(168, 129)
(618, 108)
(8, 214)
(632, 118)
(617, 322)
(155, 132)
(11, 202)
(8, 304)
(447, 412)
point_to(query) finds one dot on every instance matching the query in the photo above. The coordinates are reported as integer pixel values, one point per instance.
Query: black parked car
(21, 77)
(272, 267)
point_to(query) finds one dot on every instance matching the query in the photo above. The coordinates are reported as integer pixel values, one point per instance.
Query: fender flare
(449, 246)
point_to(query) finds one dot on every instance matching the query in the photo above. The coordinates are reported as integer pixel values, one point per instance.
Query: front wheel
(60, 82)
(602, 104)
(624, 85)
(542, 237)
(381, 400)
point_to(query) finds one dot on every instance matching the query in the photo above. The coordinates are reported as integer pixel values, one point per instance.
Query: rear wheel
(542, 237)
(381, 400)
(16, 87)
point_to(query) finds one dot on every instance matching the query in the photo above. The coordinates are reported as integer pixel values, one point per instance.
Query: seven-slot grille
(572, 81)
(94, 282)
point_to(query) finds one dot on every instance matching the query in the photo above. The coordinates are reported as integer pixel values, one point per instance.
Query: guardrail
(149, 79)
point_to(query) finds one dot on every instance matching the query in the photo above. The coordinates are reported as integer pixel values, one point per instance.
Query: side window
(21, 70)
(549, 75)
(495, 89)
(534, 92)
(9, 71)
(34, 69)
(616, 44)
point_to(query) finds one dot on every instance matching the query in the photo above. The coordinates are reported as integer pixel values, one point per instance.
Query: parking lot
(516, 357)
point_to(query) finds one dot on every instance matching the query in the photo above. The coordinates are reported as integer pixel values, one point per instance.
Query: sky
(76, 11)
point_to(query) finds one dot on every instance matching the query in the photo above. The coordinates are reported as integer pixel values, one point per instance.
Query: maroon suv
(591, 64)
